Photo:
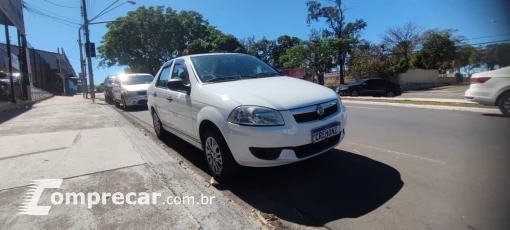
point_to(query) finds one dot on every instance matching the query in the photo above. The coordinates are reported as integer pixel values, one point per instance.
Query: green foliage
(315, 58)
(369, 60)
(100, 87)
(163, 35)
(437, 50)
(496, 54)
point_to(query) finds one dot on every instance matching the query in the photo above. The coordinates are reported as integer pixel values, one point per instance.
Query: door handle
(169, 98)
(155, 94)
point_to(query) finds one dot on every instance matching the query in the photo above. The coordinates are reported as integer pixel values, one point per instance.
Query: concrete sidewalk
(94, 149)
(411, 99)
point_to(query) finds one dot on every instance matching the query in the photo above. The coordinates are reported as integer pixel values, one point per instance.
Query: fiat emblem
(320, 110)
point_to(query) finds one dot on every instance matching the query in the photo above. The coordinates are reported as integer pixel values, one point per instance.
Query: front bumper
(132, 100)
(292, 141)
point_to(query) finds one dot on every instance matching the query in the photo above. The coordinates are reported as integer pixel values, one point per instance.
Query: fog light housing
(266, 153)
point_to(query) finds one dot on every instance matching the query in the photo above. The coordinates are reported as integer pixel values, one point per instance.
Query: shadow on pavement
(12, 113)
(332, 186)
(495, 115)
(137, 108)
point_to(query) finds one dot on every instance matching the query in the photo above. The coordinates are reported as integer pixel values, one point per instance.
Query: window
(163, 76)
(117, 80)
(231, 67)
(138, 79)
(180, 71)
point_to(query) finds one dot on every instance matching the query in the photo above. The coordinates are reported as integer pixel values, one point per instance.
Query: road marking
(359, 107)
(395, 152)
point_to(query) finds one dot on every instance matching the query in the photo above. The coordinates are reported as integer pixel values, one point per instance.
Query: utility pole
(87, 41)
(9, 58)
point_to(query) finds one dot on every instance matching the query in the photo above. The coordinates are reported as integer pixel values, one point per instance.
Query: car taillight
(479, 80)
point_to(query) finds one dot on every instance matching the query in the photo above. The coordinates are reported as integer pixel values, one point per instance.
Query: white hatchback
(491, 88)
(239, 111)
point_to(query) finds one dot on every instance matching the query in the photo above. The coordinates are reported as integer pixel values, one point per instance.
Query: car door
(367, 88)
(116, 89)
(180, 103)
(161, 95)
(379, 87)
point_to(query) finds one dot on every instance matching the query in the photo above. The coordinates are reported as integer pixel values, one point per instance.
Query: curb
(439, 107)
(20, 104)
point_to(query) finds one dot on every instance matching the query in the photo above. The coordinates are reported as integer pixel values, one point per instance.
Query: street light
(106, 9)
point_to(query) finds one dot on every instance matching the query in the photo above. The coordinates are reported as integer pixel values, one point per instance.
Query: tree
(496, 54)
(100, 87)
(403, 39)
(437, 50)
(263, 49)
(315, 58)
(370, 60)
(283, 43)
(163, 35)
(338, 28)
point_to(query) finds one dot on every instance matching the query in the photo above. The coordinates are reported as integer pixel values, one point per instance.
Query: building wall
(420, 76)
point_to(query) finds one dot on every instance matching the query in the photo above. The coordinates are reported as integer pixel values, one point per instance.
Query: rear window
(138, 79)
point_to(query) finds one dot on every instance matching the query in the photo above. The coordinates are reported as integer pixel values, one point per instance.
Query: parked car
(108, 88)
(491, 88)
(131, 89)
(239, 111)
(370, 87)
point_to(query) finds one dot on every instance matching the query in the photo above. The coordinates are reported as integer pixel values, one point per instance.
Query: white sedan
(491, 88)
(239, 111)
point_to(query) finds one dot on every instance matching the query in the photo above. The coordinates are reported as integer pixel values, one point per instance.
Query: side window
(163, 76)
(117, 80)
(180, 71)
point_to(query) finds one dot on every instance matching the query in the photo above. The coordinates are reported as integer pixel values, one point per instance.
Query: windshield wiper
(257, 75)
(226, 78)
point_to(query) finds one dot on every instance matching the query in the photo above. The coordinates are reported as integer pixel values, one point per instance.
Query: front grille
(141, 93)
(142, 102)
(313, 115)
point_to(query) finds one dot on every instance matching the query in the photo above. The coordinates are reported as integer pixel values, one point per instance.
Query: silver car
(131, 89)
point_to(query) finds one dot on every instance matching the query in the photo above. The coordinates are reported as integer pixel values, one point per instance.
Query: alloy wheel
(354, 93)
(213, 154)
(506, 104)
(157, 124)
(390, 94)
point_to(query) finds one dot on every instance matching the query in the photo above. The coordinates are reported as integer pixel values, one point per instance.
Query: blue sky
(272, 18)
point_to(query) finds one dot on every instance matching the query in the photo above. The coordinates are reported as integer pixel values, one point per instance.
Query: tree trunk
(342, 72)
(320, 78)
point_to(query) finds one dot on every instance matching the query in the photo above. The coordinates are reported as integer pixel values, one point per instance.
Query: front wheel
(125, 107)
(116, 103)
(354, 93)
(390, 94)
(222, 164)
(504, 104)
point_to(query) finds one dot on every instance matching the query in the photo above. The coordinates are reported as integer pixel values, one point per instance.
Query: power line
(39, 12)
(499, 35)
(61, 5)
(483, 43)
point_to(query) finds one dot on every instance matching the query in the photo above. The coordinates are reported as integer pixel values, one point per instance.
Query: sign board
(13, 10)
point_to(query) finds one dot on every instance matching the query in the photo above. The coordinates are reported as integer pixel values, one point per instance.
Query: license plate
(324, 132)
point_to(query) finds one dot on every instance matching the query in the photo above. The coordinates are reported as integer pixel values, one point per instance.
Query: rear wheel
(354, 93)
(124, 105)
(504, 104)
(222, 164)
(158, 127)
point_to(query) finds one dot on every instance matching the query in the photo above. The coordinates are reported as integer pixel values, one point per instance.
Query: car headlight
(344, 88)
(257, 116)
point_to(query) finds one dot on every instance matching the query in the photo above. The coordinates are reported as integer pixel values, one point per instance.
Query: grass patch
(425, 103)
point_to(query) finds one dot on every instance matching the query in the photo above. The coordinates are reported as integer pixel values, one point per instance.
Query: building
(50, 71)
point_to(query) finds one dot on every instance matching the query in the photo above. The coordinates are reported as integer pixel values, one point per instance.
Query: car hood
(280, 93)
(139, 87)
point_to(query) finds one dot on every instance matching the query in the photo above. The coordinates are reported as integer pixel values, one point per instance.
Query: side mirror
(176, 84)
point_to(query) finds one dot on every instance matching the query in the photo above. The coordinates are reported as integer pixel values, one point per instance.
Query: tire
(161, 133)
(354, 93)
(390, 94)
(504, 104)
(125, 107)
(224, 169)
(116, 103)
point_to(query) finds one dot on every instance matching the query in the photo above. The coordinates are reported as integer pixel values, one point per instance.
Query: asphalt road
(397, 168)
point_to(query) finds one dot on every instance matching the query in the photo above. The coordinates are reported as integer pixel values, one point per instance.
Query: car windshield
(137, 79)
(230, 67)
